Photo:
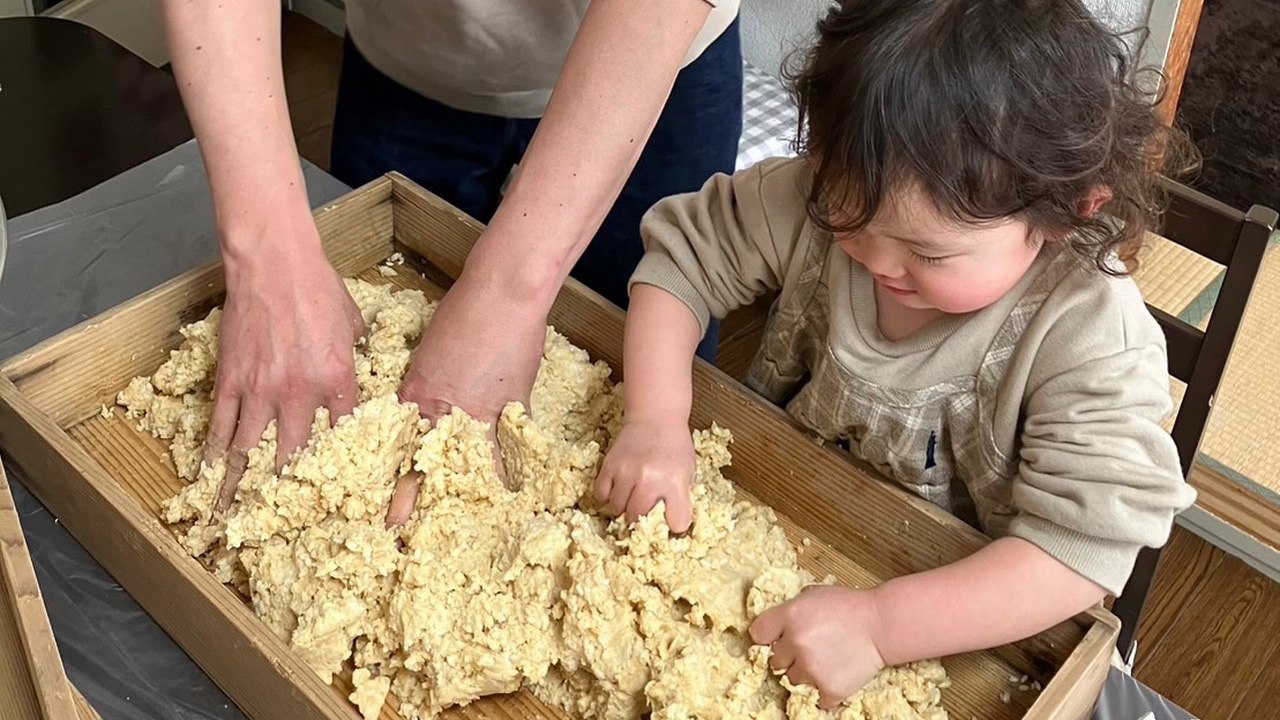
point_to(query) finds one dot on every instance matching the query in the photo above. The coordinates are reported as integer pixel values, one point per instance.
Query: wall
(771, 28)
(1230, 105)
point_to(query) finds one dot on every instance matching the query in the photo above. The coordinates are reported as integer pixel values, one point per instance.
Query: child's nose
(880, 258)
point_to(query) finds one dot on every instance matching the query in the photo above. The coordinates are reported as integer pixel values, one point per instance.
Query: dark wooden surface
(76, 109)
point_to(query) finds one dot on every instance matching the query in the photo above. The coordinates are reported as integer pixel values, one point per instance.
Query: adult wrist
(517, 274)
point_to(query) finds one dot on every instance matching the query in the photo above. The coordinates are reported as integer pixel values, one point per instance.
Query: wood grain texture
(1175, 65)
(84, 711)
(28, 653)
(1259, 701)
(1185, 566)
(1229, 501)
(1189, 662)
(17, 688)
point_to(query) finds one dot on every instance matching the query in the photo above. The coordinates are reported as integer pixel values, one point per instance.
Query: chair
(1237, 240)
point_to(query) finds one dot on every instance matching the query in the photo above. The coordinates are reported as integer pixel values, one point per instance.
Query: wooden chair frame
(1238, 241)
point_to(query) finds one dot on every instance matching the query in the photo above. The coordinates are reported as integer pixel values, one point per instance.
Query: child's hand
(650, 461)
(823, 637)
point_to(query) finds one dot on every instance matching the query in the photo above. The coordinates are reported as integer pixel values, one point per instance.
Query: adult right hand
(286, 348)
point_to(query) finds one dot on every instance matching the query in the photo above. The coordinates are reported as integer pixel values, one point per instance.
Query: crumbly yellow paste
(491, 587)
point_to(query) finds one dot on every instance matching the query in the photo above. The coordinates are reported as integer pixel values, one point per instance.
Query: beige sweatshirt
(498, 57)
(1038, 416)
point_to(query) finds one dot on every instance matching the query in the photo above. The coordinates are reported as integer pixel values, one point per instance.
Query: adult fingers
(293, 425)
(254, 417)
(222, 427)
(403, 499)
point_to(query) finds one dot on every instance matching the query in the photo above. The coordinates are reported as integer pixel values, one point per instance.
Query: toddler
(952, 308)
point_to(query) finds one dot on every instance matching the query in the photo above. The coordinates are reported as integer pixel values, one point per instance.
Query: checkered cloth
(768, 118)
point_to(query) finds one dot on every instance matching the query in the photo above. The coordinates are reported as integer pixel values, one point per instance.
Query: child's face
(924, 261)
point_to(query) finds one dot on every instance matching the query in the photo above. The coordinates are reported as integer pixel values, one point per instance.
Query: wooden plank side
(207, 621)
(71, 375)
(37, 649)
(17, 688)
(1178, 58)
(84, 711)
(1237, 505)
(1075, 689)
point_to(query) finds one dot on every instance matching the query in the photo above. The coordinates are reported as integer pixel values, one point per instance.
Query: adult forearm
(611, 90)
(226, 59)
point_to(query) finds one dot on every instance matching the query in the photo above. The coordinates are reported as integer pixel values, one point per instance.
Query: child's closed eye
(929, 259)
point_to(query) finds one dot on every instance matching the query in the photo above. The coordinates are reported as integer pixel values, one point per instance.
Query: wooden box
(105, 480)
(33, 685)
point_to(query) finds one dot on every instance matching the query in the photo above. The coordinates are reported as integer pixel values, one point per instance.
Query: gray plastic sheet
(73, 260)
(1124, 698)
(66, 263)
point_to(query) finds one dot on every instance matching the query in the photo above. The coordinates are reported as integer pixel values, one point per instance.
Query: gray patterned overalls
(924, 439)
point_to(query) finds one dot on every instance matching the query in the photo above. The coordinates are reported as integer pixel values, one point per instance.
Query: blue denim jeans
(465, 157)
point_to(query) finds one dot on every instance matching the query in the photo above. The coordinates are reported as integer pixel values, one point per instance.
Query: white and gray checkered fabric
(768, 118)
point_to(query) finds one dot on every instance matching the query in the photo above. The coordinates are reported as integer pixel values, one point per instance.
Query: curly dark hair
(996, 108)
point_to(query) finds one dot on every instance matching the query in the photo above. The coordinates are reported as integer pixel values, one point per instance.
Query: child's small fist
(648, 463)
(823, 637)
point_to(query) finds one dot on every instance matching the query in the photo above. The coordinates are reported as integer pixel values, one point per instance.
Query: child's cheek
(965, 292)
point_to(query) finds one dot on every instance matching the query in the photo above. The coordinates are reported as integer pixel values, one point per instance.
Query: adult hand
(480, 351)
(285, 349)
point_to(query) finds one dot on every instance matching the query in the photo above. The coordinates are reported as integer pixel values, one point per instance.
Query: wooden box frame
(104, 479)
(33, 684)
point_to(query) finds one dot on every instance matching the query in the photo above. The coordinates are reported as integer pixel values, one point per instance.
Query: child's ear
(1093, 201)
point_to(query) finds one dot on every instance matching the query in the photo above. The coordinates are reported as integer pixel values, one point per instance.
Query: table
(75, 109)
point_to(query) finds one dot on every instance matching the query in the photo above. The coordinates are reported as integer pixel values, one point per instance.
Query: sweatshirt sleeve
(1099, 475)
(716, 249)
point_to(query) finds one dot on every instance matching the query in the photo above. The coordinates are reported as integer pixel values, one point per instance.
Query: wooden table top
(76, 108)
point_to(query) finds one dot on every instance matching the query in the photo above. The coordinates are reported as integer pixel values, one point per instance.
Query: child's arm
(837, 638)
(706, 253)
(1007, 591)
(653, 457)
